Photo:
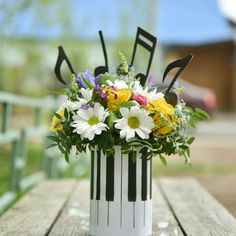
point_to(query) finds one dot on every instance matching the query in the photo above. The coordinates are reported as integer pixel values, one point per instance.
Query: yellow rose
(55, 126)
(167, 115)
(116, 97)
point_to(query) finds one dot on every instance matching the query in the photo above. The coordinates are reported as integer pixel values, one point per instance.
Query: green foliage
(123, 68)
(105, 77)
(175, 141)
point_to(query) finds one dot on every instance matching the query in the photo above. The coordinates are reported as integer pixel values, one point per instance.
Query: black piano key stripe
(131, 179)
(92, 175)
(110, 177)
(144, 179)
(98, 175)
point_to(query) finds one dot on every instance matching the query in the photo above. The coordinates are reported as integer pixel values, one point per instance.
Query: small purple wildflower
(85, 106)
(114, 87)
(97, 78)
(103, 96)
(99, 92)
(88, 75)
(151, 81)
(98, 88)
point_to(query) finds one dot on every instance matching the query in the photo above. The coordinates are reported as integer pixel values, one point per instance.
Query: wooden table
(181, 206)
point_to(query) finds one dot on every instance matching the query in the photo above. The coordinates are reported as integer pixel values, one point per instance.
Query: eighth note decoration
(123, 124)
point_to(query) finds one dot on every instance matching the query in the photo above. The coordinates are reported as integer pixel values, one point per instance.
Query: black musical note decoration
(62, 57)
(102, 69)
(171, 97)
(150, 46)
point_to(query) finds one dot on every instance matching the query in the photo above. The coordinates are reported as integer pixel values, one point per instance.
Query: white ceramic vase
(120, 194)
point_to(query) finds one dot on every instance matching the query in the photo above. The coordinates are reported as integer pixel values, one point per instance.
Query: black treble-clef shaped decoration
(149, 44)
(102, 69)
(171, 97)
(62, 57)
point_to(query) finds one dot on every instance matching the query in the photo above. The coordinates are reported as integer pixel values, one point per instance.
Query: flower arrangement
(115, 109)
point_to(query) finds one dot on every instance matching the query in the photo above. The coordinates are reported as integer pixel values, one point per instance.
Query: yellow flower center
(133, 122)
(93, 120)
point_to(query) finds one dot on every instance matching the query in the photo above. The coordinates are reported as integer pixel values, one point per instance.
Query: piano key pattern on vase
(120, 194)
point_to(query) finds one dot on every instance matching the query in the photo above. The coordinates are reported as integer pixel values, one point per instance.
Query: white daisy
(119, 84)
(76, 105)
(135, 120)
(152, 95)
(73, 105)
(90, 122)
(86, 93)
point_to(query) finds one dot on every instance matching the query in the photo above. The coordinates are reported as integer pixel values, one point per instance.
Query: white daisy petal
(82, 114)
(86, 93)
(140, 133)
(89, 123)
(134, 120)
(124, 112)
(130, 134)
(123, 133)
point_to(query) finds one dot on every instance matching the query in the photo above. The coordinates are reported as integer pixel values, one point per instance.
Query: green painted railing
(18, 140)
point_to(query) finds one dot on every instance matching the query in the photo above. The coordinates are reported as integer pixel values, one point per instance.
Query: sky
(176, 21)
(84, 18)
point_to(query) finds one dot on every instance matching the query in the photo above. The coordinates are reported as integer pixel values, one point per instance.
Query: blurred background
(30, 33)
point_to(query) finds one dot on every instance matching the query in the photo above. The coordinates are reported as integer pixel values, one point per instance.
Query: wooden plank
(37, 211)
(74, 219)
(8, 137)
(197, 211)
(5, 200)
(164, 223)
(48, 102)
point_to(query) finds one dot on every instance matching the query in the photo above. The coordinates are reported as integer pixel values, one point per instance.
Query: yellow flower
(55, 125)
(163, 115)
(116, 97)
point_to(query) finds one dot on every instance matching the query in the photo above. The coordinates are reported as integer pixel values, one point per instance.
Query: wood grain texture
(37, 211)
(163, 222)
(180, 207)
(74, 219)
(197, 211)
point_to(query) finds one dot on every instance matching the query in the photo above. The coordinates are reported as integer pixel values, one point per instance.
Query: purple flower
(98, 88)
(114, 87)
(88, 75)
(85, 106)
(103, 96)
(151, 81)
(97, 78)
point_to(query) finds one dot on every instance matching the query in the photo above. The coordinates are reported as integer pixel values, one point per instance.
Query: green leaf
(112, 118)
(203, 113)
(57, 116)
(90, 86)
(61, 148)
(66, 114)
(61, 134)
(53, 138)
(66, 145)
(190, 140)
(51, 145)
(163, 160)
(67, 157)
